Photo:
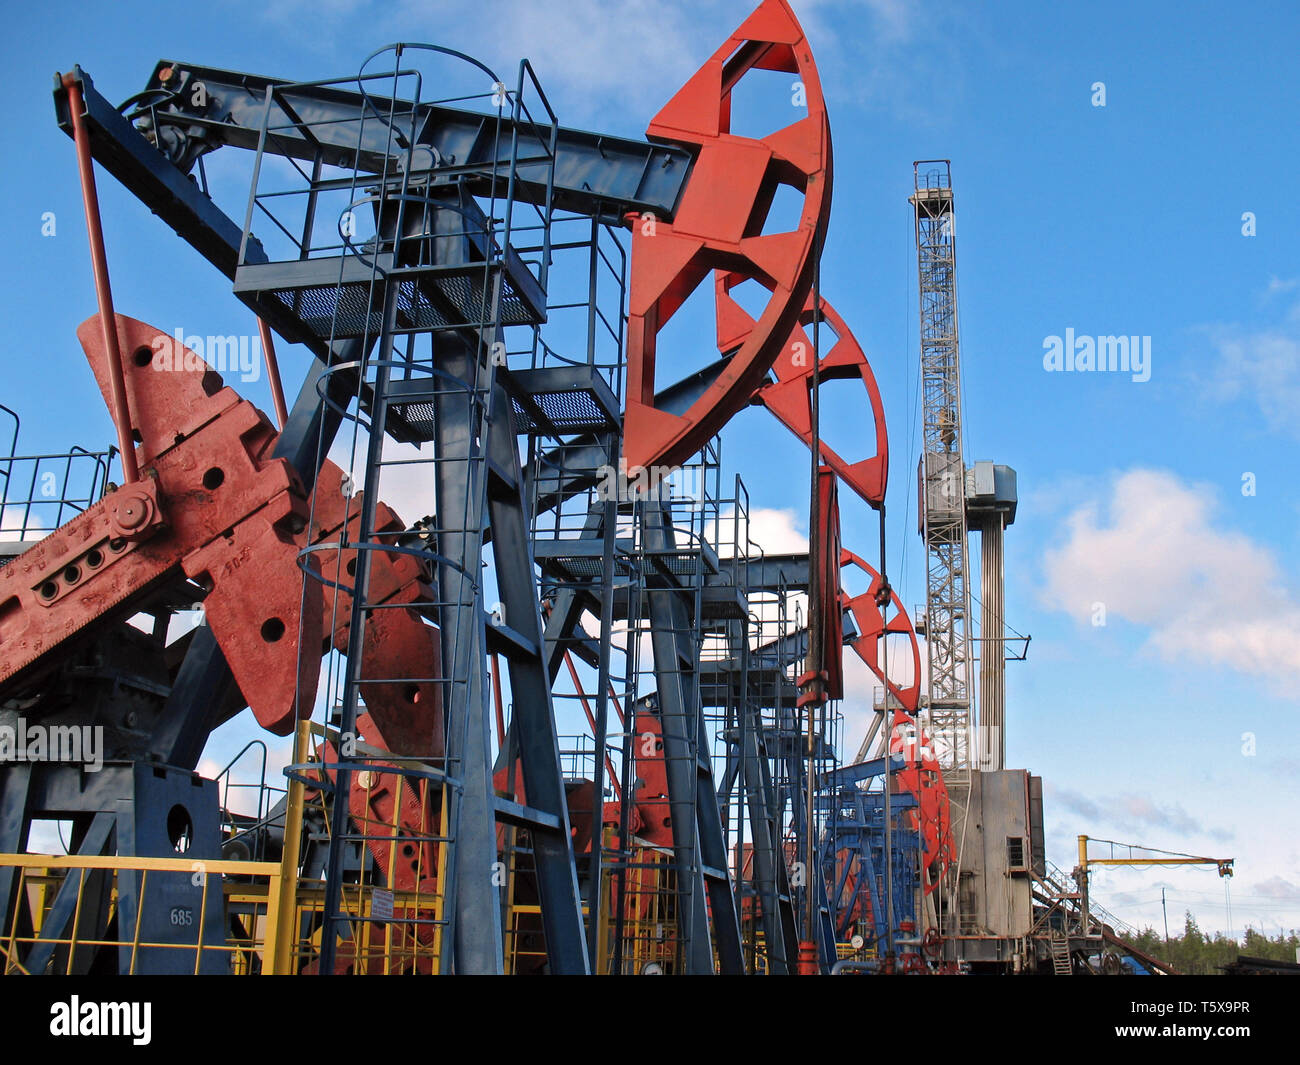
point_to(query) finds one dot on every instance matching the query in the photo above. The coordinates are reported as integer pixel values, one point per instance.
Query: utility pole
(1165, 908)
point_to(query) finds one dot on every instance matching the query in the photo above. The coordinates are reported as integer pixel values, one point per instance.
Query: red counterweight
(211, 503)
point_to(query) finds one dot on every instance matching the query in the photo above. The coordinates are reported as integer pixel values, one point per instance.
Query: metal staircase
(1060, 944)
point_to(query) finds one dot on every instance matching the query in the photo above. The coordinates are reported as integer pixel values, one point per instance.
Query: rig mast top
(942, 471)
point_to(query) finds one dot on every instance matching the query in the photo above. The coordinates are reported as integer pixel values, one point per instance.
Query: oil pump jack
(412, 245)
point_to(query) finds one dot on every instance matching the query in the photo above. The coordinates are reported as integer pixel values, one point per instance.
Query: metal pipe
(992, 731)
(497, 700)
(888, 724)
(815, 592)
(103, 290)
(848, 965)
(591, 719)
(599, 728)
(273, 374)
(286, 930)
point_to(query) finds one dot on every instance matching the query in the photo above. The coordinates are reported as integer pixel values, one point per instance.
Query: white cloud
(1132, 813)
(1276, 887)
(1152, 554)
(1262, 365)
(630, 54)
(621, 59)
(1265, 367)
(777, 531)
(889, 21)
(406, 485)
(49, 837)
(241, 790)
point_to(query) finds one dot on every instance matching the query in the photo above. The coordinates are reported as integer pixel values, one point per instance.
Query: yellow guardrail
(270, 918)
(256, 891)
(254, 937)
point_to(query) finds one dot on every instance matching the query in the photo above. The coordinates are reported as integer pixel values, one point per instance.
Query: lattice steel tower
(942, 471)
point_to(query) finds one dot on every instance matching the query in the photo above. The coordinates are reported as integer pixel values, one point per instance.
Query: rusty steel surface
(212, 504)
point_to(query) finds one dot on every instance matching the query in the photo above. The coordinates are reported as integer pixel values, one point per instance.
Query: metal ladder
(1061, 963)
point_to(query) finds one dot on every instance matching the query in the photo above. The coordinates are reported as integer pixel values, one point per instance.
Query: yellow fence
(249, 893)
(389, 931)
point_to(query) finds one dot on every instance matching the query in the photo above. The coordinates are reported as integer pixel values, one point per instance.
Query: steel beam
(533, 719)
(699, 843)
(596, 175)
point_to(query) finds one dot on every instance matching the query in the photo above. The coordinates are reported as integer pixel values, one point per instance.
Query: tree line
(1195, 953)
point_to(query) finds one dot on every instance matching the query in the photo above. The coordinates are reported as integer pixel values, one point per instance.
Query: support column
(993, 666)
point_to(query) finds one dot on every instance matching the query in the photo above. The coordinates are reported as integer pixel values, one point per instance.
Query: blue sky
(1123, 219)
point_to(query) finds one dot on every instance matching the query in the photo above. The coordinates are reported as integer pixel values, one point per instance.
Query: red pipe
(617, 708)
(273, 374)
(496, 698)
(103, 290)
(591, 720)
